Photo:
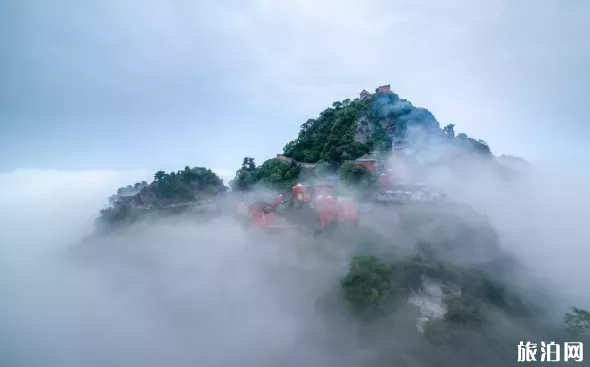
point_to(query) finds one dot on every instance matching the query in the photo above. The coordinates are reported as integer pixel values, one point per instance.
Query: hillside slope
(351, 128)
(173, 192)
(377, 124)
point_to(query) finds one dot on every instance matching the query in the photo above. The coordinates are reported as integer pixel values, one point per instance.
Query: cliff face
(363, 130)
(400, 118)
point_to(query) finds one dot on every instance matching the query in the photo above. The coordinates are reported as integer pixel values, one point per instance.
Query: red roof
(366, 158)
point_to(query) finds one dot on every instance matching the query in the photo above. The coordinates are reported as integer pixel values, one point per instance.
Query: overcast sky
(141, 84)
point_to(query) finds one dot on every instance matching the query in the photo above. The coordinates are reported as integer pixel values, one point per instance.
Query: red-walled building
(368, 160)
(383, 89)
(364, 94)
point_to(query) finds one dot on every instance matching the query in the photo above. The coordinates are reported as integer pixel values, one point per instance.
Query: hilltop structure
(383, 89)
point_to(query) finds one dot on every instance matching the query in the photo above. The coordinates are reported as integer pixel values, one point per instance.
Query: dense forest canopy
(166, 190)
(272, 172)
(350, 129)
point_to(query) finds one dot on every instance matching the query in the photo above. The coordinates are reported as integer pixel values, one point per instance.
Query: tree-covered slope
(473, 319)
(350, 129)
(166, 191)
(331, 136)
(272, 172)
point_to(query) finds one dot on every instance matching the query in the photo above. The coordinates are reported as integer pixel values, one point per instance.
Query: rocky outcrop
(430, 301)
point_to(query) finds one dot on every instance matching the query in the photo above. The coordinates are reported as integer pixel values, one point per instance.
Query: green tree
(160, 176)
(248, 164)
(465, 310)
(272, 172)
(472, 145)
(370, 288)
(330, 137)
(180, 187)
(578, 321)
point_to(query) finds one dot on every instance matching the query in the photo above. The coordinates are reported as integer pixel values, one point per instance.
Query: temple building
(383, 89)
(368, 160)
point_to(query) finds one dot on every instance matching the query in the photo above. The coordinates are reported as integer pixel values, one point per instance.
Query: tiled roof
(371, 157)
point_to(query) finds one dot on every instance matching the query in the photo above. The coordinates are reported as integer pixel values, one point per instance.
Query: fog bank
(209, 294)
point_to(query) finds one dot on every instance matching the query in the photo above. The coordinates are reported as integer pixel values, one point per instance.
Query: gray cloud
(172, 73)
(173, 293)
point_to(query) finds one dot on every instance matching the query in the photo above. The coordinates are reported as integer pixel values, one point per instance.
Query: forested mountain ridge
(330, 142)
(168, 191)
(169, 188)
(351, 128)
